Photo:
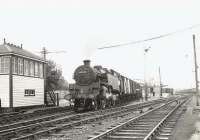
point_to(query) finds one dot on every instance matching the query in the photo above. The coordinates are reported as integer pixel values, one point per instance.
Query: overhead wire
(152, 38)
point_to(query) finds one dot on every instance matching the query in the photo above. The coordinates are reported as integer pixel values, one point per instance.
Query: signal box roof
(7, 48)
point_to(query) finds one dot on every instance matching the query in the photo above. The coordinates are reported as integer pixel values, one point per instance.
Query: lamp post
(160, 83)
(145, 82)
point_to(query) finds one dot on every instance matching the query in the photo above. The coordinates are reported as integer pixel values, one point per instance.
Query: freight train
(168, 90)
(97, 88)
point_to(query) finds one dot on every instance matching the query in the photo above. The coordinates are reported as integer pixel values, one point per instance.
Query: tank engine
(97, 87)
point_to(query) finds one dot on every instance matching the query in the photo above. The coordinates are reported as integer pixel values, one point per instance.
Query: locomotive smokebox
(86, 63)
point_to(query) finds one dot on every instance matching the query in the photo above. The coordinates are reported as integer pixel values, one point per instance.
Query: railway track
(6, 115)
(156, 124)
(167, 129)
(8, 118)
(29, 129)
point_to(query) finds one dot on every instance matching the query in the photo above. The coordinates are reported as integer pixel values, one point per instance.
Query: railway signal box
(21, 77)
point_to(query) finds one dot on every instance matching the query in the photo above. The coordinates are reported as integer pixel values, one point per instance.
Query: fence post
(57, 99)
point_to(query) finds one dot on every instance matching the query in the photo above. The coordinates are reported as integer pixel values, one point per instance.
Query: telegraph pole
(160, 83)
(44, 52)
(145, 82)
(196, 72)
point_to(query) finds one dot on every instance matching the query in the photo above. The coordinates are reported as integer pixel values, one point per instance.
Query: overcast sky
(81, 26)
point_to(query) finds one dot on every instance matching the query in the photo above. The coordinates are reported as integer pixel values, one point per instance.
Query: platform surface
(188, 126)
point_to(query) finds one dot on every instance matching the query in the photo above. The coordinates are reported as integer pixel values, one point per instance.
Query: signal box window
(29, 92)
(14, 65)
(36, 69)
(4, 64)
(31, 68)
(26, 67)
(20, 66)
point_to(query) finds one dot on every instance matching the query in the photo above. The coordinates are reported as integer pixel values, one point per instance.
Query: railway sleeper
(113, 137)
(163, 137)
(136, 128)
(119, 133)
(7, 136)
(130, 130)
(142, 125)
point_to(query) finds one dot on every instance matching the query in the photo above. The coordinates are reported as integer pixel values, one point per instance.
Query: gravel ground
(82, 132)
(188, 126)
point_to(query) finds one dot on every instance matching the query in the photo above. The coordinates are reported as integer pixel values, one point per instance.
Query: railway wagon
(21, 78)
(97, 88)
(168, 90)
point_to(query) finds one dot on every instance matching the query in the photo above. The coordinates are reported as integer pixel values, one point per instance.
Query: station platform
(188, 126)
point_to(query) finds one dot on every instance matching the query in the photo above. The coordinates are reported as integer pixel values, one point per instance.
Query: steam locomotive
(97, 88)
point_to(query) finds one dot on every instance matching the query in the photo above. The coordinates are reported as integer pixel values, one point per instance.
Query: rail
(116, 128)
(156, 128)
(69, 122)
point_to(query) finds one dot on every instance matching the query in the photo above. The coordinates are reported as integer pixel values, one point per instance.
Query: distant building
(21, 77)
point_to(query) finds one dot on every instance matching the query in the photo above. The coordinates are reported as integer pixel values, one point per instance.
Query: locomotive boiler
(97, 88)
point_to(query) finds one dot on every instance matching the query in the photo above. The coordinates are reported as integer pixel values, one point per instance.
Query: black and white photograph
(99, 70)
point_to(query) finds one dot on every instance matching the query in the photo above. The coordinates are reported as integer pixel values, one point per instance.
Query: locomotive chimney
(86, 62)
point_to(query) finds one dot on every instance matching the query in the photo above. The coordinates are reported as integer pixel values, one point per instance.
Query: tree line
(55, 79)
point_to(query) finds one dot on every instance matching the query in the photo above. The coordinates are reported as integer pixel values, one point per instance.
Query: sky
(79, 27)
